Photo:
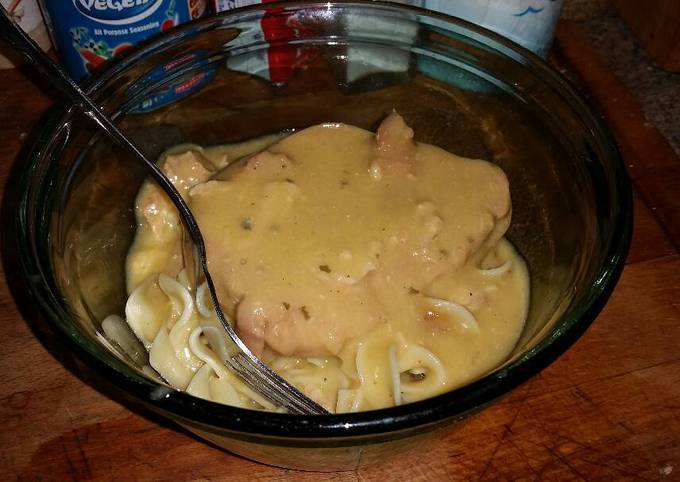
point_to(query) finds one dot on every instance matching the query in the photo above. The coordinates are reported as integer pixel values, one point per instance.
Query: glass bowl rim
(450, 405)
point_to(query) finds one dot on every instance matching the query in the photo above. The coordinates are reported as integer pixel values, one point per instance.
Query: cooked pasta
(368, 270)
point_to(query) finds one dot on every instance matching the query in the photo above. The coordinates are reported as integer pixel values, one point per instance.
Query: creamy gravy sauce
(348, 258)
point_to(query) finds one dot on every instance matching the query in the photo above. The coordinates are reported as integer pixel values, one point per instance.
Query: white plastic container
(530, 23)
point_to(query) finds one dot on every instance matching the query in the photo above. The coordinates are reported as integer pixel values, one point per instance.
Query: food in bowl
(366, 269)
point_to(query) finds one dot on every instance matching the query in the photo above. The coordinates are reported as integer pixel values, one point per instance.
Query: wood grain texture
(609, 409)
(655, 23)
(652, 163)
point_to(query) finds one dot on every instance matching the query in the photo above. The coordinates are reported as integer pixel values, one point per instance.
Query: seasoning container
(87, 33)
(530, 23)
(26, 14)
(224, 5)
(279, 63)
(276, 64)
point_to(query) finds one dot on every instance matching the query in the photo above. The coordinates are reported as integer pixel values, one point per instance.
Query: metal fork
(240, 359)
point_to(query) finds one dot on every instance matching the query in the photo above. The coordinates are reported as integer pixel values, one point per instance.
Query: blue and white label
(89, 33)
(117, 12)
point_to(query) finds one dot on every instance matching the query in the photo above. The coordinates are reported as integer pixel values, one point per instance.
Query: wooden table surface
(609, 409)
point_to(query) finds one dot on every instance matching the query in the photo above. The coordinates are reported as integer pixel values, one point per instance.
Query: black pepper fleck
(247, 224)
(416, 377)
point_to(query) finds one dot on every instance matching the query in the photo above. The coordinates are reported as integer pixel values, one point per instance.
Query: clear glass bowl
(261, 70)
